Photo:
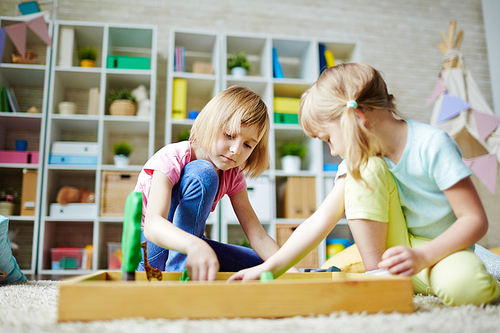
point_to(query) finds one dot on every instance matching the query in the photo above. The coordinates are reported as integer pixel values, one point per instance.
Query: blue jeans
(192, 199)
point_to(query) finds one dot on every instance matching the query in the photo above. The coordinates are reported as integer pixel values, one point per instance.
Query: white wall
(398, 37)
(491, 13)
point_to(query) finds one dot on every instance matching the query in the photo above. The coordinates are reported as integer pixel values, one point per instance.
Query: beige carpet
(32, 307)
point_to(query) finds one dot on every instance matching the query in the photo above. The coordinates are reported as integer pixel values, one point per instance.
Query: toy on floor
(131, 236)
(151, 272)
(71, 194)
(184, 276)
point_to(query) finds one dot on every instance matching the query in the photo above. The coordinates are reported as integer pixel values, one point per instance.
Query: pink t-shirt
(170, 160)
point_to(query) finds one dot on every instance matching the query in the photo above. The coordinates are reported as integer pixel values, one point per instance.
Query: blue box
(29, 7)
(73, 159)
(331, 167)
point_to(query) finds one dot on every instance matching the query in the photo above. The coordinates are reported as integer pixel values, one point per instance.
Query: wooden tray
(103, 296)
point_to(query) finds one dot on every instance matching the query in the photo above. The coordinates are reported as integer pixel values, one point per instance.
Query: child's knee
(461, 278)
(204, 171)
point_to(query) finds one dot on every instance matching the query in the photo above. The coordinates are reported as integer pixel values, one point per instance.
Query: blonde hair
(326, 101)
(226, 113)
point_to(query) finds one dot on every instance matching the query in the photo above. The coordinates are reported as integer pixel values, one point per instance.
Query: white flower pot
(121, 161)
(239, 72)
(290, 163)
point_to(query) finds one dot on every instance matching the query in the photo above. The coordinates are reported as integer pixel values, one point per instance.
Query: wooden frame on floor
(103, 296)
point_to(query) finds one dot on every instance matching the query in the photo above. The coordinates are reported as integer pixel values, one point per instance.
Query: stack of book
(8, 101)
(180, 59)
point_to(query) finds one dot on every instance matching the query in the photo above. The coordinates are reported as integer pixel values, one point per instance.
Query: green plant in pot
(238, 63)
(123, 103)
(87, 56)
(122, 152)
(292, 153)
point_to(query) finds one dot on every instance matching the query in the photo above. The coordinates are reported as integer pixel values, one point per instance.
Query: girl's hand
(201, 262)
(403, 261)
(248, 274)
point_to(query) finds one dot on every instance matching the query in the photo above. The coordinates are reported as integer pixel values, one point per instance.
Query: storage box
(299, 197)
(67, 257)
(71, 210)
(74, 148)
(283, 232)
(286, 118)
(115, 187)
(114, 255)
(259, 193)
(286, 105)
(73, 159)
(12, 156)
(202, 67)
(28, 194)
(126, 62)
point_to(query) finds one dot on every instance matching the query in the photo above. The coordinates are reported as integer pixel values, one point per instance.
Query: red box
(66, 257)
(12, 156)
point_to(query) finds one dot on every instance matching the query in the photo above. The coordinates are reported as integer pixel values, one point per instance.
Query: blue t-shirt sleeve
(444, 161)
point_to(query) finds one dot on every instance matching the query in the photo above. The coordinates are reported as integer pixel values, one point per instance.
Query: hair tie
(352, 104)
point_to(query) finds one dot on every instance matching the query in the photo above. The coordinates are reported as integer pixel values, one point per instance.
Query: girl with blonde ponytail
(406, 193)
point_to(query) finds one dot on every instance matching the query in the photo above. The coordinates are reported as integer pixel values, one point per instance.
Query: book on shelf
(14, 106)
(277, 71)
(4, 100)
(94, 97)
(330, 60)
(180, 59)
(322, 59)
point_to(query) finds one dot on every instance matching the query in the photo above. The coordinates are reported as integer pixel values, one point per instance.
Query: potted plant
(122, 152)
(123, 103)
(8, 199)
(87, 56)
(292, 153)
(238, 64)
(183, 136)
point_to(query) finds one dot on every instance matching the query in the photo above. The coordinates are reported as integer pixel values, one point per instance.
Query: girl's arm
(201, 262)
(370, 236)
(304, 239)
(470, 226)
(259, 239)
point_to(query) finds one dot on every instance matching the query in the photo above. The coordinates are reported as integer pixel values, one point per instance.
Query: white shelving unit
(299, 60)
(72, 83)
(29, 83)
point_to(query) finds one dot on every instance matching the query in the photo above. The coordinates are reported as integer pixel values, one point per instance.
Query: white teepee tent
(461, 111)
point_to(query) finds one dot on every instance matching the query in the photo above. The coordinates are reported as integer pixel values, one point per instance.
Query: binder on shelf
(94, 96)
(330, 60)
(179, 100)
(28, 194)
(322, 60)
(277, 71)
(66, 47)
(74, 148)
(286, 105)
(128, 62)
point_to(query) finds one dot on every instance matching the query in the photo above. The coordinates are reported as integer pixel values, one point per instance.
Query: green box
(125, 62)
(286, 118)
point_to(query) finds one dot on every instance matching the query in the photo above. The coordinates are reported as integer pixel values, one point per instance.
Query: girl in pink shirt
(183, 182)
